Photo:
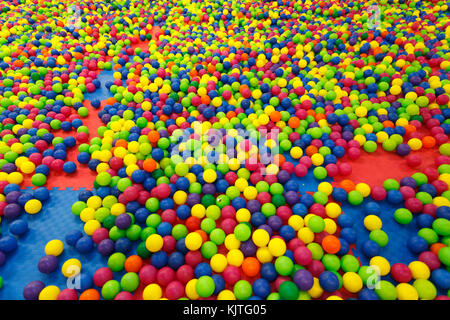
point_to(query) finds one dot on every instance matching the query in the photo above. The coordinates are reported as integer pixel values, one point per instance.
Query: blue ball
(85, 195)
(24, 198)
(287, 232)
(345, 220)
(371, 249)
(348, 234)
(372, 208)
(159, 259)
(83, 157)
(73, 237)
(441, 278)
(345, 247)
(42, 194)
(18, 227)
(394, 197)
(164, 229)
(268, 271)
(261, 287)
(367, 294)
(69, 167)
(202, 269)
(141, 215)
(175, 260)
(329, 281)
(219, 283)
(425, 221)
(84, 244)
(85, 282)
(443, 212)
(339, 194)
(258, 219)
(8, 244)
(123, 245)
(11, 187)
(417, 244)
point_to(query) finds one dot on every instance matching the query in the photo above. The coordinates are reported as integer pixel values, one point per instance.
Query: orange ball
(89, 294)
(149, 165)
(203, 235)
(294, 122)
(251, 266)
(153, 136)
(347, 185)
(331, 244)
(133, 263)
(436, 247)
(428, 142)
(275, 116)
(310, 150)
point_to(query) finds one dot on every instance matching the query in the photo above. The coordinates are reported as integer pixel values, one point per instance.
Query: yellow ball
(333, 210)
(296, 222)
(154, 243)
(260, 237)
(277, 247)
(382, 264)
(316, 291)
(15, 177)
(361, 112)
(243, 215)
(33, 206)
(231, 242)
(27, 167)
(352, 282)
(372, 222)
(152, 292)
(306, 235)
(317, 159)
(296, 152)
(363, 188)
(49, 293)
(218, 262)
(334, 298)
(250, 193)
(263, 255)
(405, 291)
(419, 270)
(117, 209)
(191, 291)
(209, 175)
(87, 214)
(71, 268)
(198, 210)
(193, 241)
(325, 187)
(415, 144)
(91, 226)
(330, 226)
(226, 295)
(235, 257)
(272, 169)
(180, 197)
(54, 247)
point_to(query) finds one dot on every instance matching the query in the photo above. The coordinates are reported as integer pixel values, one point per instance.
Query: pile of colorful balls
(218, 113)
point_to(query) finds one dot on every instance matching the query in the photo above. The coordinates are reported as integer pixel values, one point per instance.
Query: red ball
(378, 193)
(100, 234)
(124, 295)
(147, 274)
(228, 225)
(300, 170)
(231, 275)
(169, 244)
(228, 212)
(193, 258)
(413, 160)
(303, 256)
(101, 276)
(174, 290)
(68, 294)
(414, 205)
(316, 268)
(165, 275)
(345, 169)
(430, 259)
(185, 273)
(401, 273)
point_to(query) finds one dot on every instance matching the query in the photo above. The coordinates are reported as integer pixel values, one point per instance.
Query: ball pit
(223, 156)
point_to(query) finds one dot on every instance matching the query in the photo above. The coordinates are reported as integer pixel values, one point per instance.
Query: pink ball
(440, 186)
(318, 209)
(306, 161)
(303, 256)
(169, 244)
(228, 225)
(442, 160)
(231, 275)
(300, 170)
(124, 295)
(284, 212)
(295, 243)
(147, 274)
(378, 193)
(430, 209)
(169, 215)
(442, 298)
(288, 166)
(345, 169)
(174, 290)
(228, 212)
(407, 192)
(316, 268)
(193, 258)
(100, 234)
(68, 294)
(279, 280)
(430, 259)
(413, 160)
(414, 205)
(332, 170)
(401, 273)
(270, 179)
(354, 153)
(431, 173)
(185, 273)
(165, 275)
(131, 193)
(101, 276)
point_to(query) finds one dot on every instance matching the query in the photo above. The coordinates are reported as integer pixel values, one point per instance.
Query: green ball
(284, 265)
(355, 197)
(208, 249)
(320, 173)
(133, 232)
(77, 207)
(38, 179)
(303, 295)
(441, 226)
(389, 145)
(386, 290)
(380, 237)
(349, 263)
(129, 281)
(242, 232)
(331, 262)
(391, 184)
(288, 291)
(103, 179)
(83, 112)
(110, 289)
(142, 251)
(217, 236)
(153, 220)
(320, 197)
(268, 209)
(116, 261)
(429, 235)
(242, 290)
(316, 224)
(179, 231)
(425, 289)
(444, 149)
(370, 146)
(316, 250)
(444, 255)
(205, 286)
(420, 178)
(403, 216)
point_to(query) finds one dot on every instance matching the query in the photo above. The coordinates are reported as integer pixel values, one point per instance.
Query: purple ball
(253, 206)
(48, 264)
(123, 221)
(303, 279)
(163, 133)
(347, 135)
(32, 290)
(22, 131)
(275, 222)
(403, 149)
(267, 228)
(13, 196)
(9, 167)
(209, 188)
(248, 248)
(193, 199)
(12, 211)
(409, 182)
(283, 176)
(2, 258)
(106, 247)
(291, 197)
